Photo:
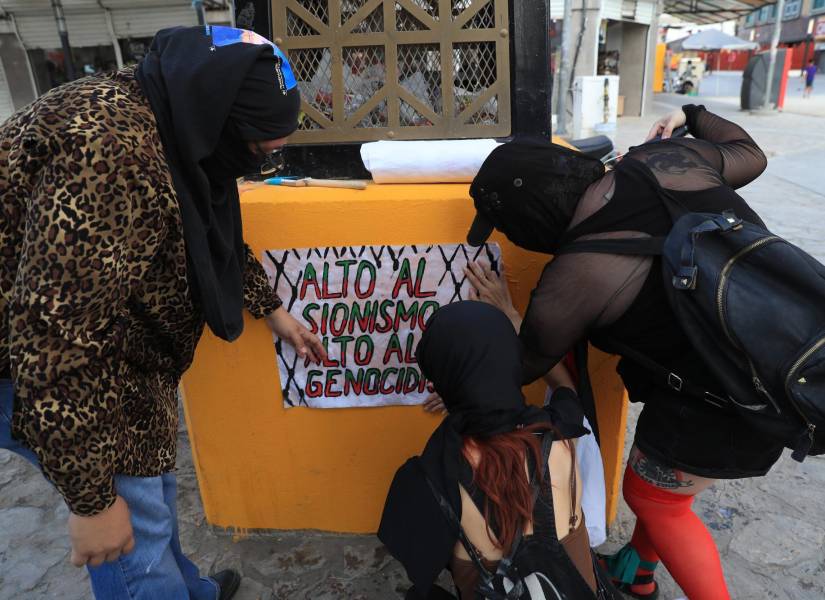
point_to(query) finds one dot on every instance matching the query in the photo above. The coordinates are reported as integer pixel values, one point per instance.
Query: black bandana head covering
(212, 90)
(529, 189)
(472, 355)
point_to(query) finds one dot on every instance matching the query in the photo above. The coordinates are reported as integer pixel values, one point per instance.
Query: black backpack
(537, 566)
(753, 306)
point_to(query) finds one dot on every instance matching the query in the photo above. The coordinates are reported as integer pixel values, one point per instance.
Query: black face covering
(529, 189)
(232, 158)
(472, 355)
(212, 90)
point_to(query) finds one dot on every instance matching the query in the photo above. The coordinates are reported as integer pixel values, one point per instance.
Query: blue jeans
(156, 569)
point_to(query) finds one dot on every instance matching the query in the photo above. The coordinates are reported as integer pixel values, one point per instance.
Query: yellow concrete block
(659, 68)
(261, 466)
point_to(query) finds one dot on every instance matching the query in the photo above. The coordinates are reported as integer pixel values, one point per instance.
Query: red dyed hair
(501, 474)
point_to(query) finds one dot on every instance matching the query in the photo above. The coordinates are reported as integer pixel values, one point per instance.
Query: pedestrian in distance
(808, 74)
(121, 238)
(543, 198)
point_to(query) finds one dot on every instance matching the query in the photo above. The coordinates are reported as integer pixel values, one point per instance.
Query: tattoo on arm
(658, 474)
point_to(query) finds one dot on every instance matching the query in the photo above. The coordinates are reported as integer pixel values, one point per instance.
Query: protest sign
(369, 306)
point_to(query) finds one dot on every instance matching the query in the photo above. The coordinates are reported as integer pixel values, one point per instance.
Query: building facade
(103, 34)
(803, 30)
(618, 37)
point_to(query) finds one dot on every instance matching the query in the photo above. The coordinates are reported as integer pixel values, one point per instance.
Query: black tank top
(649, 325)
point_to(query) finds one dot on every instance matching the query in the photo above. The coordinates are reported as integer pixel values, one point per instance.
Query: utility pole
(565, 68)
(198, 6)
(777, 31)
(68, 64)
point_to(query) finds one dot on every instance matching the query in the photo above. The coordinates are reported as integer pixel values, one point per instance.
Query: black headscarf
(529, 189)
(472, 355)
(212, 90)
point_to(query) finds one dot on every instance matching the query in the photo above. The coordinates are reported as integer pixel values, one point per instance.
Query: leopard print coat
(98, 323)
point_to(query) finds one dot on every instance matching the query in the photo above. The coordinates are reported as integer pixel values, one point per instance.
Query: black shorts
(697, 438)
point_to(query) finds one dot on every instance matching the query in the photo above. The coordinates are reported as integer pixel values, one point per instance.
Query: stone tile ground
(771, 530)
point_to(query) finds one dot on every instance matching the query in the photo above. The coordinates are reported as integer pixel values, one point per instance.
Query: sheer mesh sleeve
(742, 159)
(721, 153)
(580, 292)
(575, 293)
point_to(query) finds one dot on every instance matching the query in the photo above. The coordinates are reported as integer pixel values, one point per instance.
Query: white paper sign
(369, 306)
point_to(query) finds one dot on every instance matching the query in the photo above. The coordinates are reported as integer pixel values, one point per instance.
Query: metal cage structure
(398, 69)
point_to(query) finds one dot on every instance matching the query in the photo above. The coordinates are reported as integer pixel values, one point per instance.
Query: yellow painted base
(659, 69)
(261, 466)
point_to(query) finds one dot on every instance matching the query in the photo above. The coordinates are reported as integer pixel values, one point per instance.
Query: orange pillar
(261, 466)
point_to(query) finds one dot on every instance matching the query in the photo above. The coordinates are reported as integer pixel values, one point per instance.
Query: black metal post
(60, 19)
(532, 79)
(255, 16)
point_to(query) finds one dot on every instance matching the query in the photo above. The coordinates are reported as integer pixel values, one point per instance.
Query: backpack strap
(505, 565)
(544, 516)
(487, 578)
(686, 275)
(544, 523)
(668, 379)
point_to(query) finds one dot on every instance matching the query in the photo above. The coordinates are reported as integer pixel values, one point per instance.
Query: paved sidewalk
(770, 530)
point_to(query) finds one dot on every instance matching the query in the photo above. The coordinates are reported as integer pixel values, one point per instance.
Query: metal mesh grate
(483, 19)
(486, 115)
(307, 124)
(377, 117)
(405, 21)
(419, 72)
(317, 8)
(428, 6)
(349, 8)
(297, 27)
(372, 23)
(365, 72)
(313, 69)
(448, 77)
(410, 117)
(459, 6)
(474, 72)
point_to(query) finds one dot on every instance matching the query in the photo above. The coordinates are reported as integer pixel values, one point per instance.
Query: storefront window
(50, 70)
(793, 8)
(767, 13)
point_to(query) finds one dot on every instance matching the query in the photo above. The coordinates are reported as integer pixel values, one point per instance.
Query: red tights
(667, 529)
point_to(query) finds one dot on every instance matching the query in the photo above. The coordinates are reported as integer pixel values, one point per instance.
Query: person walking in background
(808, 74)
(121, 237)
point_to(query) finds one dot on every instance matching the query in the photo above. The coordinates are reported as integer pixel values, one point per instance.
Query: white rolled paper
(438, 161)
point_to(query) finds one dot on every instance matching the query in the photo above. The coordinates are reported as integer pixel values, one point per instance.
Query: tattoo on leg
(658, 474)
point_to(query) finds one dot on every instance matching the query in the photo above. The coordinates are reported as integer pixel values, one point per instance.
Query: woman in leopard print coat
(102, 288)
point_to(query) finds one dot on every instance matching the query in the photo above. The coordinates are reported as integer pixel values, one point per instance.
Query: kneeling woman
(479, 465)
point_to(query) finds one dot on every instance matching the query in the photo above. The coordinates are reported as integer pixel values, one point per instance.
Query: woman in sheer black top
(540, 196)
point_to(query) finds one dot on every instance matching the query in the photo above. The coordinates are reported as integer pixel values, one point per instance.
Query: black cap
(480, 230)
(528, 189)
